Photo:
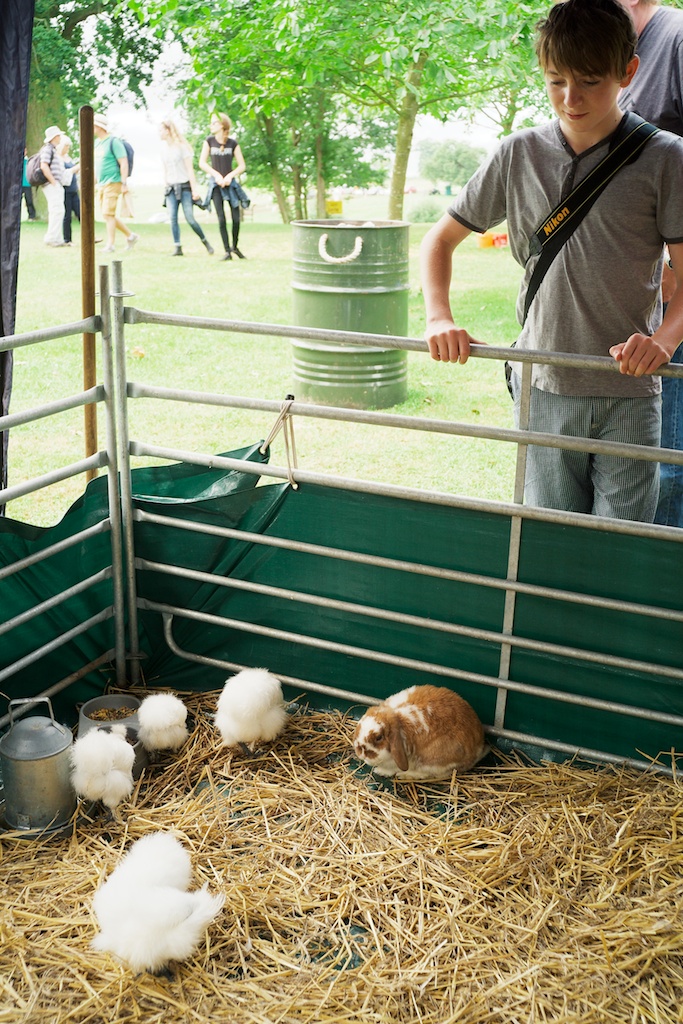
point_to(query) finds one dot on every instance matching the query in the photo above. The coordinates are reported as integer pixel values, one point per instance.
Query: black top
(221, 153)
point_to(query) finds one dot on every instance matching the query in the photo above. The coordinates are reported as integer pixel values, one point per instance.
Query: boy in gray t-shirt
(601, 294)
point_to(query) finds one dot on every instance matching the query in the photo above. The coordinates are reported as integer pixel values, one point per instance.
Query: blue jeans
(172, 205)
(670, 508)
(604, 485)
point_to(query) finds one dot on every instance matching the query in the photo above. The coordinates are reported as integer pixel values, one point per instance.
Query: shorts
(109, 196)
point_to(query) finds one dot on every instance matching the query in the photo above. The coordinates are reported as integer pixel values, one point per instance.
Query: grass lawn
(258, 289)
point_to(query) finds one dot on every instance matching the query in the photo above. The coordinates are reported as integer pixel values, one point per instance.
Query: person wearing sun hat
(52, 166)
(111, 174)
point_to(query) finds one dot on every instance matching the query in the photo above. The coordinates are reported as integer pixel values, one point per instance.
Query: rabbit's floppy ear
(396, 743)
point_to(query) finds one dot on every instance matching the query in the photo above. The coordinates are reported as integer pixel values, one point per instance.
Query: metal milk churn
(36, 769)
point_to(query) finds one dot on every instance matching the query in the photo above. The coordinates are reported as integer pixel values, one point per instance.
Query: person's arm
(239, 169)
(206, 166)
(190, 174)
(447, 343)
(641, 354)
(668, 282)
(123, 168)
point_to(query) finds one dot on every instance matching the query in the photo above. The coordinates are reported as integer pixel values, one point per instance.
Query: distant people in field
(27, 191)
(181, 185)
(72, 198)
(111, 175)
(221, 158)
(52, 166)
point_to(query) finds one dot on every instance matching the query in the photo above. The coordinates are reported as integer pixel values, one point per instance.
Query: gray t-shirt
(656, 92)
(604, 284)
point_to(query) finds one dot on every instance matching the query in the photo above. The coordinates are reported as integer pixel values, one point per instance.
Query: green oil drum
(350, 276)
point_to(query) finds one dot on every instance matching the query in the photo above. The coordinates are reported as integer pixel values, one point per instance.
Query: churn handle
(324, 255)
(29, 700)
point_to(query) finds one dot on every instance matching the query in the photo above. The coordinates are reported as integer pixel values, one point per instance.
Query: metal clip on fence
(285, 421)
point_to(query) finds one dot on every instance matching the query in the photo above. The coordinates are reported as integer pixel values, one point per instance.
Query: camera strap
(627, 143)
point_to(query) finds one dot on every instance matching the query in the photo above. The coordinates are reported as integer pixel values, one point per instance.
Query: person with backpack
(112, 167)
(52, 168)
(600, 294)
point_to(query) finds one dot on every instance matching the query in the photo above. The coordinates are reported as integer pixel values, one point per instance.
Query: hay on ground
(516, 893)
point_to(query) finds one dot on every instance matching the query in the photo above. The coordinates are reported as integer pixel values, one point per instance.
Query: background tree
(450, 162)
(392, 59)
(293, 122)
(83, 52)
(296, 152)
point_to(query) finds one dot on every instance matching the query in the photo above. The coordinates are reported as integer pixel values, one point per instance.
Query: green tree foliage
(307, 148)
(300, 66)
(450, 162)
(287, 152)
(85, 51)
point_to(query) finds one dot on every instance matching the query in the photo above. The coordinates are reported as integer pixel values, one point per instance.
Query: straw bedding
(516, 893)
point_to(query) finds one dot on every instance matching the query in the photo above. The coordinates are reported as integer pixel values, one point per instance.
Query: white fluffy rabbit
(251, 708)
(102, 766)
(162, 721)
(145, 914)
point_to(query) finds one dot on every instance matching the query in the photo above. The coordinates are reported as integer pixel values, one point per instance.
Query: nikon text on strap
(629, 139)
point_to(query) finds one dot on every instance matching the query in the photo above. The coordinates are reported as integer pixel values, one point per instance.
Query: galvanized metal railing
(117, 391)
(505, 638)
(100, 395)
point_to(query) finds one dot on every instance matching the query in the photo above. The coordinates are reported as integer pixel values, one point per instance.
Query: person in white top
(52, 166)
(181, 184)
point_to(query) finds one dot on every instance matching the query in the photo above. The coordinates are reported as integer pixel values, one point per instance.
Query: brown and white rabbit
(424, 732)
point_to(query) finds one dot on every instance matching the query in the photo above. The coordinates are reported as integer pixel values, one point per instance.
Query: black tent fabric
(16, 30)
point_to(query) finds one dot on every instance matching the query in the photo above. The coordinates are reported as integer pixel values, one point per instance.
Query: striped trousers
(620, 488)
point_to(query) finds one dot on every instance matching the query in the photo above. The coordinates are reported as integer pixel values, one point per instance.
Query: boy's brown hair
(591, 37)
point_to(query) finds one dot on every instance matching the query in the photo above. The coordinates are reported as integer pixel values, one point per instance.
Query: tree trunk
(299, 197)
(42, 111)
(280, 198)
(510, 112)
(268, 129)
(320, 184)
(404, 140)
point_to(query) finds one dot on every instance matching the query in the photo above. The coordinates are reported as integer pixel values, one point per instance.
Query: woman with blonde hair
(219, 152)
(181, 184)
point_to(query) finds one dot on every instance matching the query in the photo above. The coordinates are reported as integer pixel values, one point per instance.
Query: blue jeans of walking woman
(181, 195)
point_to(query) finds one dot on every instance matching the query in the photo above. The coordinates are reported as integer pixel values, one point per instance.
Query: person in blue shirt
(27, 192)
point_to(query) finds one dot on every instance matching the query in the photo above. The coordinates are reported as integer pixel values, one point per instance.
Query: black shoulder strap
(629, 139)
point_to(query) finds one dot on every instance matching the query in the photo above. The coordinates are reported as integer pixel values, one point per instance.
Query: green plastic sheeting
(177, 486)
(25, 589)
(610, 565)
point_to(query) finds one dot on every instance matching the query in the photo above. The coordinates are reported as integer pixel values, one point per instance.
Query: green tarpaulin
(609, 565)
